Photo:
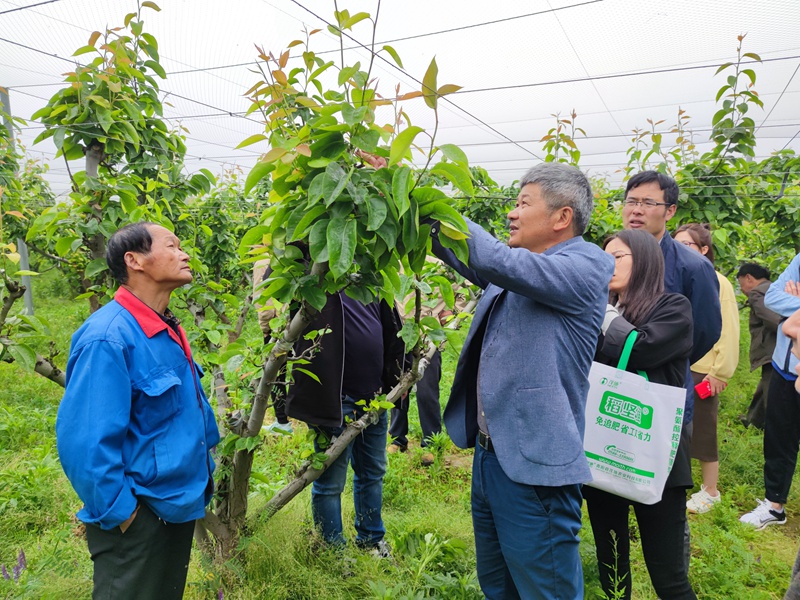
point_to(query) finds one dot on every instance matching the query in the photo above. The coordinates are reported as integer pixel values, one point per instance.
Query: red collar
(149, 320)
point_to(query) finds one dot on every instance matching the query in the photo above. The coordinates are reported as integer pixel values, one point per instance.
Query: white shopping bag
(633, 428)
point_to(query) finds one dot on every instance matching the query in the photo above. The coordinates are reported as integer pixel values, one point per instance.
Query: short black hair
(130, 238)
(665, 182)
(753, 269)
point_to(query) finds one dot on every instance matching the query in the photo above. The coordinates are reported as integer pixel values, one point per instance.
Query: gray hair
(563, 185)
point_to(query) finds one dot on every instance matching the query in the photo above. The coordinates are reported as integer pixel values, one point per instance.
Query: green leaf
(261, 170)
(150, 4)
(24, 355)
(254, 237)
(353, 115)
(104, 117)
(388, 233)
(259, 137)
(84, 50)
(307, 219)
(402, 143)
(98, 265)
(454, 153)
(409, 334)
(410, 224)
(377, 211)
(341, 237)
(429, 84)
(445, 213)
(274, 154)
(722, 67)
(315, 296)
(445, 290)
(346, 73)
(356, 18)
(426, 197)
(214, 336)
(339, 177)
(318, 241)
(401, 182)
(64, 245)
(459, 247)
(448, 88)
(366, 140)
(393, 53)
(752, 55)
(457, 174)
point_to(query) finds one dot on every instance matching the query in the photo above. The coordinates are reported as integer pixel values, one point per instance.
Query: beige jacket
(722, 360)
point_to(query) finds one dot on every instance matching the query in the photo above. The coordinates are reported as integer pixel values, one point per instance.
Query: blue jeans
(367, 454)
(526, 536)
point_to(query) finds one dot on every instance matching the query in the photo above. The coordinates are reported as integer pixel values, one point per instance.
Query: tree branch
(43, 366)
(15, 292)
(240, 321)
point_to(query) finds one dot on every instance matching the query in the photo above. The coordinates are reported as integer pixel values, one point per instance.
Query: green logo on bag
(626, 409)
(619, 453)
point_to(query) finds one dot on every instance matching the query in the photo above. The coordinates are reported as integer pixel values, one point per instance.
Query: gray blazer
(534, 334)
(763, 327)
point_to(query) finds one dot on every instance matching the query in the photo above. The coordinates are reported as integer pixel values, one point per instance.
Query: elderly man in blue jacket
(520, 387)
(134, 429)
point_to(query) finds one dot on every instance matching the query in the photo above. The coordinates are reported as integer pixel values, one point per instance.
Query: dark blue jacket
(690, 274)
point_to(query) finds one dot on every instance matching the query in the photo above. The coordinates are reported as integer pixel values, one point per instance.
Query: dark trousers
(279, 404)
(150, 560)
(661, 529)
(526, 536)
(781, 438)
(430, 412)
(757, 411)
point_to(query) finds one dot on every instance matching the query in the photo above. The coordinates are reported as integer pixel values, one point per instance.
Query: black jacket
(661, 350)
(320, 403)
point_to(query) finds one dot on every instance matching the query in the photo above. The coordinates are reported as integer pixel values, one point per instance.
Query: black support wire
(394, 66)
(11, 10)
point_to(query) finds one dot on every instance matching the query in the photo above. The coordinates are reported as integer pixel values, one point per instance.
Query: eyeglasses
(690, 244)
(644, 203)
(618, 257)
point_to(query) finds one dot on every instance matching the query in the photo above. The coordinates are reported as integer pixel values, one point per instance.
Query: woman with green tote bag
(663, 323)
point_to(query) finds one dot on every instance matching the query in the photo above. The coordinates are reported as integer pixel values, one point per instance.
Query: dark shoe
(743, 420)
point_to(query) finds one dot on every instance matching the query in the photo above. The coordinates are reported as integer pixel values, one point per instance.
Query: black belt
(485, 442)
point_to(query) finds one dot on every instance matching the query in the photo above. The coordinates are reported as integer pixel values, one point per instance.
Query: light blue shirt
(777, 300)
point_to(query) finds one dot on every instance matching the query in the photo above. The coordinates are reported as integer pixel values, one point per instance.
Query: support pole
(22, 247)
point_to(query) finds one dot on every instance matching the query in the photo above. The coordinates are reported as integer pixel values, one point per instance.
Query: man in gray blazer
(754, 281)
(520, 386)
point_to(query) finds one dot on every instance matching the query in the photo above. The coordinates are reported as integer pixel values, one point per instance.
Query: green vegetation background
(426, 511)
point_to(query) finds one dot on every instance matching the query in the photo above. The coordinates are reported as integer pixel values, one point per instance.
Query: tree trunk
(227, 520)
(95, 154)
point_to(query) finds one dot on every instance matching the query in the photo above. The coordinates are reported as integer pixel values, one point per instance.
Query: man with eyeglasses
(651, 199)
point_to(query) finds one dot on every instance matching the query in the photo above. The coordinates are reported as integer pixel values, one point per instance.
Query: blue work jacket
(134, 425)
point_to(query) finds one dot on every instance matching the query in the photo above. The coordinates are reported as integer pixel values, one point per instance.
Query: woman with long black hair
(663, 323)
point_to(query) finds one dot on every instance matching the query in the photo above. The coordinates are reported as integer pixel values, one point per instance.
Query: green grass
(426, 512)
